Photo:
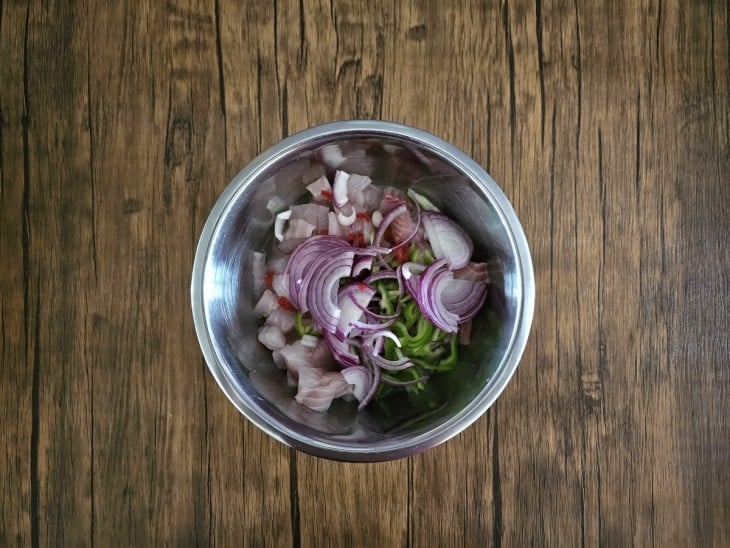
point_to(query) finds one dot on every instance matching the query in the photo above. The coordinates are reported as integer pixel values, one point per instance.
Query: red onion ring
(388, 218)
(377, 375)
(429, 298)
(341, 350)
(394, 382)
(464, 298)
(392, 365)
(448, 240)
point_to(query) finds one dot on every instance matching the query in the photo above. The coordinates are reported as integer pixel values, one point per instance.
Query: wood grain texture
(608, 126)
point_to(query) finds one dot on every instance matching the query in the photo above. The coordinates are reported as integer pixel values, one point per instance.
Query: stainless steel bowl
(241, 223)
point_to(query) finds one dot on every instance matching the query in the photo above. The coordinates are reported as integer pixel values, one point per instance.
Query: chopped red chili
(401, 254)
(286, 304)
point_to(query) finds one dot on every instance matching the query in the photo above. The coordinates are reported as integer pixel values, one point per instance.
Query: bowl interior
(395, 426)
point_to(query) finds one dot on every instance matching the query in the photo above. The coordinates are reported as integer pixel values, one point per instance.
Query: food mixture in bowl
(367, 292)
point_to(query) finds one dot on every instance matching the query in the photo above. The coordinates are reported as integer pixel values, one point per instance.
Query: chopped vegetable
(377, 292)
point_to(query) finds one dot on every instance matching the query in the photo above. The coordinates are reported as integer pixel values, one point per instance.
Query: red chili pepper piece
(401, 254)
(269, 279)
(326, 194)
(286, 304)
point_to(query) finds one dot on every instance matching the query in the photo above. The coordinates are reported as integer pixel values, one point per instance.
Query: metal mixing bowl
(241, 222)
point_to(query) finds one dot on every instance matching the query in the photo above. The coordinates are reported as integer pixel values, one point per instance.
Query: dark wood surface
(606, 123)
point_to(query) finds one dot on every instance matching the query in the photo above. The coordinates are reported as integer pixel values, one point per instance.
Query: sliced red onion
(410, 235)
(361, 264)
(351, 299)
(347, 215)
(373, 337)
(463, 298)
(410, 275)
(388, 218)
(358, 292)
(372, 250)
(448, 240)
(377, 345)
(385, 274)
(392, 365)
(393, 382)
(377, 375)
(371, 327)
(339, 189)
(291, 380)
(430, 287)
(385, 319)
(341, 350)
(279, 223)
(322, 291)
(377, 218)
(360, 378)
(306, 259)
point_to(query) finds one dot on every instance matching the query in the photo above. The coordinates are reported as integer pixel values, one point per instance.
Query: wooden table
(606, 123)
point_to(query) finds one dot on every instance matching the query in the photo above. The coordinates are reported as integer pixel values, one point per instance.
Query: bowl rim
(518, 241)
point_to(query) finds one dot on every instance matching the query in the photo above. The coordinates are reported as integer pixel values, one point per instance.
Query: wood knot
(178, 142)
(131, 206)
(417, 33)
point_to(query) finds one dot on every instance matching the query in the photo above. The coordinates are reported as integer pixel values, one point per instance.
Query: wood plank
(346, 504)
(18, 339)
(253, 477)
(157, 126)
(58, 238)
(533, 126)
(693, 125)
